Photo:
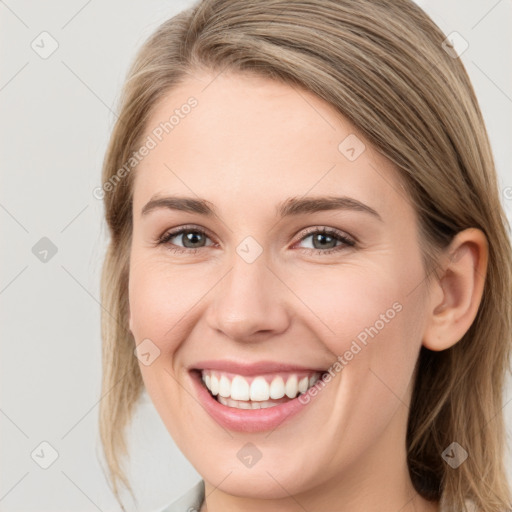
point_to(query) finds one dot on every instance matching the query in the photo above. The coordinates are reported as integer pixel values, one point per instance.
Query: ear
(455, 295)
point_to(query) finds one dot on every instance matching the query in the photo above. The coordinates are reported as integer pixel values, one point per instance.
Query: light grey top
(193, 499)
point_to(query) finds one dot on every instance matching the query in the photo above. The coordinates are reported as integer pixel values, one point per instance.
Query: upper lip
(249, 369)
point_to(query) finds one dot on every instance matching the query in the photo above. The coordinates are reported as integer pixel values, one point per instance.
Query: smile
(253, 398)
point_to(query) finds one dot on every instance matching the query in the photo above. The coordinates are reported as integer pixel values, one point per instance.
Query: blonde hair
(381, 64)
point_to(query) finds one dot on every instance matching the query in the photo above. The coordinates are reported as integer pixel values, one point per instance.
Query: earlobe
(455, 297)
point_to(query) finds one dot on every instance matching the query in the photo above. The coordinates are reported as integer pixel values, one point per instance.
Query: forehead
(249, 137)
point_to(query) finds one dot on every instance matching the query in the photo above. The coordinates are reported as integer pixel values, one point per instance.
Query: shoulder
(191, 501)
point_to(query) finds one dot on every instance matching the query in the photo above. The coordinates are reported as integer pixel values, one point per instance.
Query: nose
(249, 304)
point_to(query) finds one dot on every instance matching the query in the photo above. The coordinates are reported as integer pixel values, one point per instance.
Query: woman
(309, 260)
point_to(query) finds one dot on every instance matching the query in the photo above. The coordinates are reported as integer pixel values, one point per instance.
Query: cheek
(161, 309)
(349, 299)
(371, 320)
(372, 316)
(162, 300)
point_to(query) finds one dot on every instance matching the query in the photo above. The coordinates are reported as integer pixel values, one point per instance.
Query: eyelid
(326, 229)
(171, 233)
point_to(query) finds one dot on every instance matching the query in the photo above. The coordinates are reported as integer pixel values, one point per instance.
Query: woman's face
(263, 300)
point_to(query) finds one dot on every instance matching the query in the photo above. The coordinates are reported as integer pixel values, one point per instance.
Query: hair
(382, 65)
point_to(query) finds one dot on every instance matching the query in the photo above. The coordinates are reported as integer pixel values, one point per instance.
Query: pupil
(321, 237)
(192, 235)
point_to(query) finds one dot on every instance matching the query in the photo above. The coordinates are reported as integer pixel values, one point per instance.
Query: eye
(324, 240)
(192, 238)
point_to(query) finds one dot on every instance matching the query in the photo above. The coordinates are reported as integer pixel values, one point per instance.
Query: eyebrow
(289, 207)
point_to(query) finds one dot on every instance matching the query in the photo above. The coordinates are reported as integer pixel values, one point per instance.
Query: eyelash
(338, 235)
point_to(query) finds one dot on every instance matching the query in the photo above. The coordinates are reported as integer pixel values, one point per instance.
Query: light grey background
(56, 116)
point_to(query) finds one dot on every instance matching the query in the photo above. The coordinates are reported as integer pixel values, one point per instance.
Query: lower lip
(246, 420)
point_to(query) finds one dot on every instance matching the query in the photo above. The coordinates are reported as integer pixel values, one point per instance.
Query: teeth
(292, 387)
(224, 386)
(277, 388)
(239, 388)
(238, 391)
(303, 385)
(240, 404)
(260, 390)
(214, 385)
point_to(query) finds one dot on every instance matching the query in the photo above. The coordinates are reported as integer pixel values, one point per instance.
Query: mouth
(256, 397)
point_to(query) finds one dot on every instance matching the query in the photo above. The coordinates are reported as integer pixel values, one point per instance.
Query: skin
(248, 145)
